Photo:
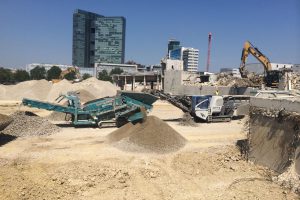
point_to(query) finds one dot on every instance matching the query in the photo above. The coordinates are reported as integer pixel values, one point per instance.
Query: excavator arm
(249, 48)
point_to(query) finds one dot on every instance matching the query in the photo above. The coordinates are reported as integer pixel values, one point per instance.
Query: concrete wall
(173, 84)
(274, 135)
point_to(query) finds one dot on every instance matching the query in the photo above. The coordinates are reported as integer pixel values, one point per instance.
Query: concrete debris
(151, 136)
(29, 124)
(231, 81)
(295, 80)
(289, 179)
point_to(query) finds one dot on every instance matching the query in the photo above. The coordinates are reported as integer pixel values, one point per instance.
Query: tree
(103, 75)
(70, 76)
(6, 75)
(21, 75)
(116, 71)
(38, 73)
(53, 73)
(86, 76)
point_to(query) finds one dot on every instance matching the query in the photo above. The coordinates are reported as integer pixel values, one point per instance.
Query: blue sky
(41, 31)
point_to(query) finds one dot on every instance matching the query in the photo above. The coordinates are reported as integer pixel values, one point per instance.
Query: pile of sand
(29, 124)
(43, 90)
(4, 121)
(152, 136)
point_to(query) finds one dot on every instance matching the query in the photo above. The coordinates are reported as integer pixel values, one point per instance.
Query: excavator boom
(249, 48)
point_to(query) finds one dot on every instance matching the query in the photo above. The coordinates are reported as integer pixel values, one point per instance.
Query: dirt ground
(76, 163)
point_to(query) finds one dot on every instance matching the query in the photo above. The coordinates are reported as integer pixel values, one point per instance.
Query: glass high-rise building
(172, 45)
(97, 39)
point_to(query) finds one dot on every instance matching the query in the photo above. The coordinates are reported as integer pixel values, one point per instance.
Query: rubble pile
(295, 81)
(29, 124)
(229, 80)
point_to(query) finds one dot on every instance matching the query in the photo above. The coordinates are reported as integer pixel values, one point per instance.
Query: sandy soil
(76, 163)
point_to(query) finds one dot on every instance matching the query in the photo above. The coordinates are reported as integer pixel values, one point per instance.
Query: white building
(190, 59)
(189, 56)
(296, 68)
(129, 69)
(279, 66)
(232, 71)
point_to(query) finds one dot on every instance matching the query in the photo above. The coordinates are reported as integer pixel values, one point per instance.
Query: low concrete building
(169, 64)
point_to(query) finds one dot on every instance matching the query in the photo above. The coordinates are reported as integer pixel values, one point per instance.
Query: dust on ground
(77, 163)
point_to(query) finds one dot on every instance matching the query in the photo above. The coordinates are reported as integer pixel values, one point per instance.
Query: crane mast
(208, 52)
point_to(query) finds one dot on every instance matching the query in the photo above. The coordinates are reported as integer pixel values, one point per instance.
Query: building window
(92, 30)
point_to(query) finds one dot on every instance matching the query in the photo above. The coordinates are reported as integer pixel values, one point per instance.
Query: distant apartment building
(232, 71)
(189, 56)
(97, 39)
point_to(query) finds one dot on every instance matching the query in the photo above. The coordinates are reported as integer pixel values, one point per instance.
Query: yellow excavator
(272, 77)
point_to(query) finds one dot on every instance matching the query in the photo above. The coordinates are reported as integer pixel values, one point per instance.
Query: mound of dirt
(152, 136)
(4, 121)
(187, 120)
(45, 91)
(29, 124)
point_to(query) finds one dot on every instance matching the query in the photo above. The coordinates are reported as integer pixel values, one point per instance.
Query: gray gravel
(29, 124)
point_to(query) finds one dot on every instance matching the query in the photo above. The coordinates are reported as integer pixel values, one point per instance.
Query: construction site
(222, 138)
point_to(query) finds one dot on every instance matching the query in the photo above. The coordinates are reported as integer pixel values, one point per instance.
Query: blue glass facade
(97, 39)
(176, 54)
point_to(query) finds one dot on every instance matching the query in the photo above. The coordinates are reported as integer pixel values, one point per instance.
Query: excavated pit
(274, 142)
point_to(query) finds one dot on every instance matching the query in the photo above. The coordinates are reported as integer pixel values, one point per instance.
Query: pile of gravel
(4, 121)
(29, 124)
(187, 120)
(151, 136)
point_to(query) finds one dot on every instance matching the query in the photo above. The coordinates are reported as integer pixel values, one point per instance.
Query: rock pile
(43, 90)
(295, 80)
(29, 124)
(4, 121)
(151, 136)
(228, 80)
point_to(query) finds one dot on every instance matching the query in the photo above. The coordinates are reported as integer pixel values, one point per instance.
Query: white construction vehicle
(210, 108)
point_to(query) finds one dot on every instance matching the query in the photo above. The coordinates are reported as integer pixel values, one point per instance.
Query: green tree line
(7, 76)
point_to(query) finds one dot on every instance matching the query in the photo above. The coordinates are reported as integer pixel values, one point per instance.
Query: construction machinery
(124, 107)
(272, 77)
(210, 108)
